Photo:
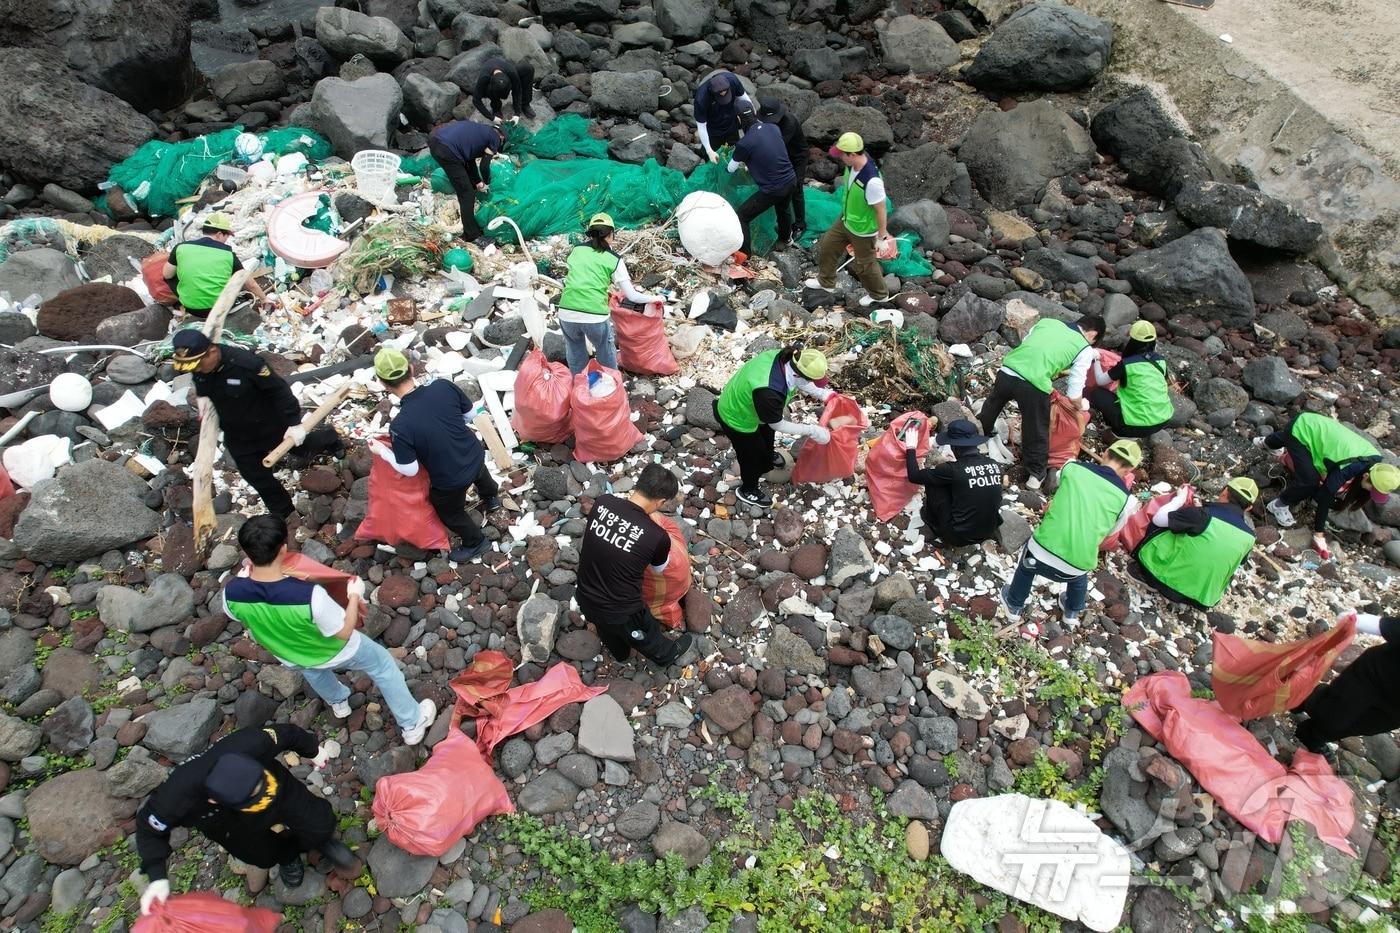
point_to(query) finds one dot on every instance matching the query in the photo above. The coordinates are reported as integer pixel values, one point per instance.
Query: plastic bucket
(376, 173)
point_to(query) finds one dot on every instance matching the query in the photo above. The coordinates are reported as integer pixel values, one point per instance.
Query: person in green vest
(299, 624)
(1091, 503)
(1142, 405)
(201, 268)
(753, 406)
(1190, 553)
(1332, 465)
(583, 304)
(861, 225)
(1050, 348)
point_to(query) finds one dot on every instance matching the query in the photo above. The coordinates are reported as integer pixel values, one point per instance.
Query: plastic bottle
(600, 385)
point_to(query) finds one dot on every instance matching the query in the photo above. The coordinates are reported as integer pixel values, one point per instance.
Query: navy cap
(235, 780)
(190, 342)
(960, 433)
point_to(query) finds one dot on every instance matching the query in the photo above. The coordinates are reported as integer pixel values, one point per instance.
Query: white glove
(324, 754)
(711, 155)
(356, 587)
(1259, 441)
(1319, 542)
(1366, 623)
(825, 392)
(1083, 404)
(296, 434)
(157, 892)
(381, 450)
(819, 434)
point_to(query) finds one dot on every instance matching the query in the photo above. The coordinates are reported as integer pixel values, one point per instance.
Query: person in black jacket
(962, 498)
(1364, 699)
(464, 149)
(256, 409)
(500, 79)
(771, 110)
(763, 153)
(241, 796)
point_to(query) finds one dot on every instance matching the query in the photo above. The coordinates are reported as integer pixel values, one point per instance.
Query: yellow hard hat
(1246, 488)
(601, 219)
(1127, 451)
(219, 222)
(811, 364)
(1385, 477)
(1143, 331)
(390, 364)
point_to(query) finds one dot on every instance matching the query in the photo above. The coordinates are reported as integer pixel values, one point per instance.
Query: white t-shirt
(329, 619)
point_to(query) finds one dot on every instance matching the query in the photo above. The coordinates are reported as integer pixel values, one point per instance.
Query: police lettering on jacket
(982, 474)
(615, 530)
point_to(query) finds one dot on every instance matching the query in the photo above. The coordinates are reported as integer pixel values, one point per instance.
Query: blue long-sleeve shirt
(764, 152)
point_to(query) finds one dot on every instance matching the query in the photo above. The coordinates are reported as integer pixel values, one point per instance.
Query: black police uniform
(255, 407)
(296, 820)
(1364, 699)
(962, 498)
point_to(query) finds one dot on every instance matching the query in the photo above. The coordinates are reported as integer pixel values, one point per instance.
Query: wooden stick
(486, 427)
(203, 474)
(308, 424)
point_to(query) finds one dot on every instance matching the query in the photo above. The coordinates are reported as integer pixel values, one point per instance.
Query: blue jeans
(374, 660)
(577, 337)
(1028, 568)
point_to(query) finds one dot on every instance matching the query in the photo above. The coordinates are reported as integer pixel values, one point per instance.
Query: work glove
(1083, 403)
(157, 892)
(324, 754)
(711, 155)
(819, 434)
(296, 434)
(1319, 543)
(356, 587)
(1259, 441)
(1366, 623)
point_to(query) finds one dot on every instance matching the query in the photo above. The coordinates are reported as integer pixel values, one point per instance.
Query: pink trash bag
(399, 510)
(603, 428)
(1135, 528)
(641, 339)
(542, 391)
(886, 473)
(426, 811)
(822, 463)
(1252, 679)
(1067, 423)
(206, 912)
(664, 591)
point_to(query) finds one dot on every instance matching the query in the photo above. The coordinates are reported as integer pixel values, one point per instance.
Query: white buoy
(70, 392)
(708, 227)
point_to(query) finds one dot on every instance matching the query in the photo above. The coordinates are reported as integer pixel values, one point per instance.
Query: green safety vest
(1199, 567)
(1144, 397)
(201, 274)
(1328, 439)
(287, 629)
(859, 216)
(1083, 512)
(736, 406)
(1047, 351)
(586, 285)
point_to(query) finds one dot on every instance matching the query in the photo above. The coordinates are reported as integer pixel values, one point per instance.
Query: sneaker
(339, 854)
(491, 505)
(341, 710)
(869, 301)
(1012, 614)
(1068, 616)
(681, 645)
(529, 113)
(427, 711)
(463, 555)
(755, 497)
(1282, 514)
(798, 232)
(778, 461)
(292, 873)
(1034, 480)
(815, 284)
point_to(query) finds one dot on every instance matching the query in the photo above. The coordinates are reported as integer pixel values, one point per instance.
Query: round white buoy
(708, 227)
(248, 146)
(70, 392)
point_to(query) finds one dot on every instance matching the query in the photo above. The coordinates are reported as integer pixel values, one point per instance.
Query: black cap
(719, 86)
(961, 433)
(770, 109)
(190, 342)
(235, 780)
(744, 111)
(500, 84)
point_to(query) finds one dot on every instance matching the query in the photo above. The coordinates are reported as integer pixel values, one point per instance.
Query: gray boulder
(464, 69)
(428, 102)
(579, 11)
(536, 624)
(1248, 215)
(520, 45)
(246, 82)
(68, 728)
(1268, 379)
(149, 323)
(1221, 401)
(926, 218)
(136, 775)
(1133, 125)
(922, 173)
(1042, 47)
(117, 256)
(43, 272)
(831, 118)
(355, 115)
(71, 816)
(849, 558)
(684, 19)
(800, 102)
(346, 33)
(629, 92)
(1172, 165)
(634, 143)
(167, 601)
(18, 739)
(88, 508)
(1058, 265)
(551, 792)
(918, 45)
(178, 732)
(1011, 155)
(1194, 275)
(970, 319)
(398, 873)
(788, 651)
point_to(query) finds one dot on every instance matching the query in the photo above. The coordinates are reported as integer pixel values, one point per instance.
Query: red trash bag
(1067, 423)
(603, 428)
(426, 811)
(822, 463)
(152, 273)
(7, 485)
(1135, 529)
(298, 565)
(522, 706)
(1253, 679)
(542, 391)
(641, 339)
(886, 471)
(206, 912)
(1107, 360)
(399, 510)
(663, 591)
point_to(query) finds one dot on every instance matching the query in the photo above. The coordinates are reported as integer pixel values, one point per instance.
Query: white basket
(376, 173)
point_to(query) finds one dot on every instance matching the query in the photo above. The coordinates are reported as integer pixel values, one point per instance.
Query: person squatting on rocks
(1333, 466)
(256, 409)
(1364, 699)
(621, 542)
(861, 225)
(302, 627)
(430, 432)
(500, 79)
(962, 496)
(584, 317)
(771, 110)
(1191, 552)
(763, 152)
(716, 114)
(753, 406)
(1142, 405)
(464, 149)
(201, 268)
(1092, 502)
(239, 795)
(1050, 348)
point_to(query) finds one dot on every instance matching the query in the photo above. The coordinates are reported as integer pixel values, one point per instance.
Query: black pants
(1035, 418)
(1364, 699)
(754, 451)
(248, 456)
(462, 185)
(1110, 407)
(754, 207)
(451, 507)
(639, 631)
(526, 71)
(1305, 480)
(797, 203)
